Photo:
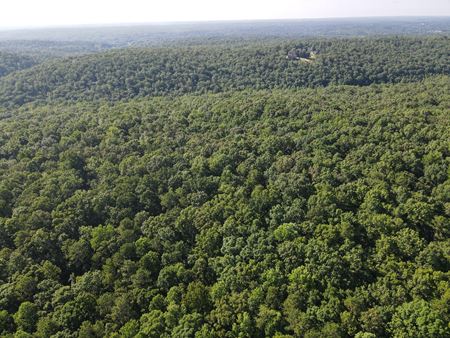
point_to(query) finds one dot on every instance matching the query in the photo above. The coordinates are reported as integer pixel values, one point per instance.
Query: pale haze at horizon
(29, 13)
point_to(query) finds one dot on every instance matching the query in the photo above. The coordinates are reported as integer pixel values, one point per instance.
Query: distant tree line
(128, 73)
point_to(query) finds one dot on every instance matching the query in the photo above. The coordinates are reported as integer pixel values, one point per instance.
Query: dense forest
(265, 182)
(128, 73)
(10, 62)
(314, 212)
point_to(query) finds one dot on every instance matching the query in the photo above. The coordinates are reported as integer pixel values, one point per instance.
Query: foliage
(10, 62)
(287, 212)
(137, 72)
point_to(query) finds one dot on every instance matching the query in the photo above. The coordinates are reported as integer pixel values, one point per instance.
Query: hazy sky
(20, 13)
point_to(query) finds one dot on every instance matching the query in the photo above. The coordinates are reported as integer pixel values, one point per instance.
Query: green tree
(26, 317)
(418, 319)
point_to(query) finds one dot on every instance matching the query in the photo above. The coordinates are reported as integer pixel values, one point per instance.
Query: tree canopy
(127, 73)
(314, 212)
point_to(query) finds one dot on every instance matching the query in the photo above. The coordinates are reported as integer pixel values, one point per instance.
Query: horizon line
(181, 22)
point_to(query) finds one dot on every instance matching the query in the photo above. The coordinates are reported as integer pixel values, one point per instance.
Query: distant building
(297, 54)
